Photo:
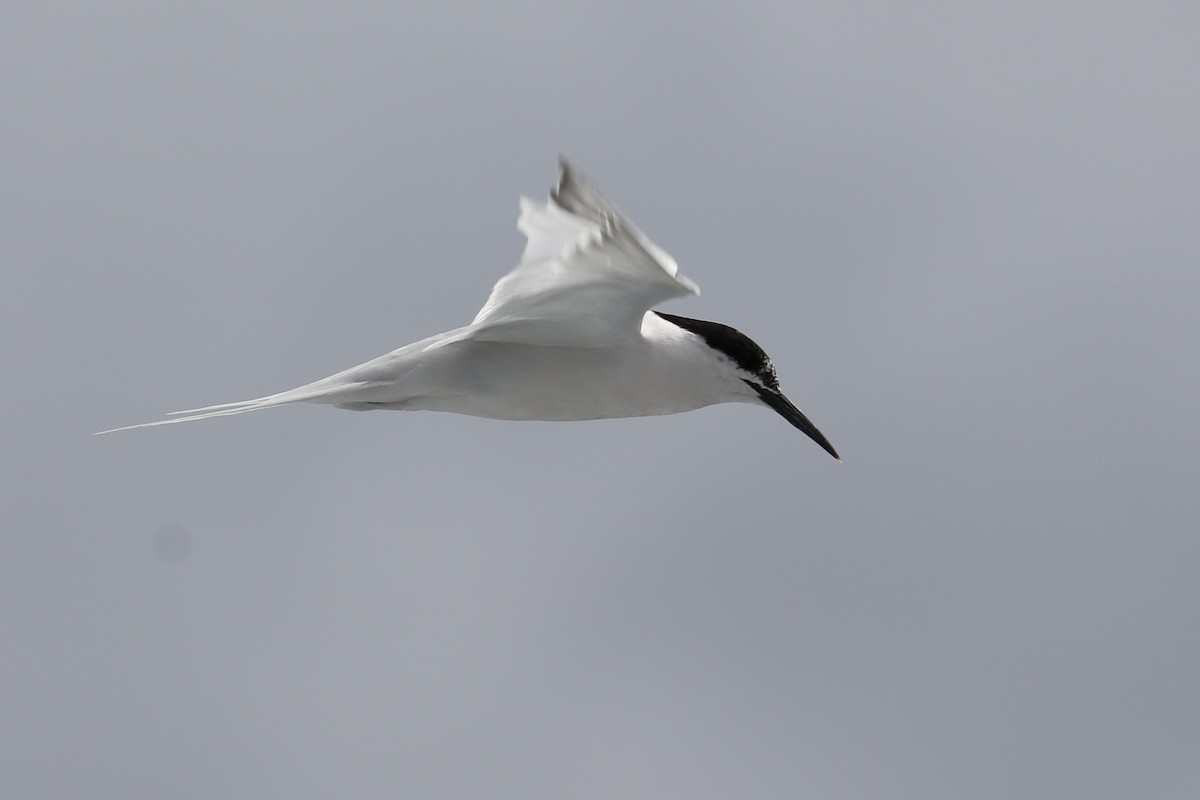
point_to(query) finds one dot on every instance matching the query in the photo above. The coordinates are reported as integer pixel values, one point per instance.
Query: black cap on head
(752, 359)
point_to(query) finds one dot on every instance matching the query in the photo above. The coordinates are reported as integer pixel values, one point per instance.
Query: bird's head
(754, 368)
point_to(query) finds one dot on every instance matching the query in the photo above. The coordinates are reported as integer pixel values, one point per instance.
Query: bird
(569, 334)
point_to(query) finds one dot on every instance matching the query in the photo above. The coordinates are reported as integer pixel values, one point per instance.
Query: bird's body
(659, 372)
(567, 335)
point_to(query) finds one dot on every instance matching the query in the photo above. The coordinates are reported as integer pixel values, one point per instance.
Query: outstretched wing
(586, 278)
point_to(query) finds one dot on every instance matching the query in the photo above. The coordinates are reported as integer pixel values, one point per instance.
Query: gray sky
(966, 233)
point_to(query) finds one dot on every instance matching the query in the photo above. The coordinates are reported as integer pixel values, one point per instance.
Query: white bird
(567, 335)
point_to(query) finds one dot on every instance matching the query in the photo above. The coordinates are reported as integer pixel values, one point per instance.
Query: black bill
(777, 401)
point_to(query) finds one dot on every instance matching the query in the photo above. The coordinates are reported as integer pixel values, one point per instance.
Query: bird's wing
(586, 278)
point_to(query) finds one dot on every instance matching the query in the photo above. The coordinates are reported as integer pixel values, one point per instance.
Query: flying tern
(569, 334)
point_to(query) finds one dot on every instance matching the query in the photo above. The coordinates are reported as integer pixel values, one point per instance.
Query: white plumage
(567, 335)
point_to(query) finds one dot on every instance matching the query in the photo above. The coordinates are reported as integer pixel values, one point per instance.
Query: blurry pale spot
(172, 542)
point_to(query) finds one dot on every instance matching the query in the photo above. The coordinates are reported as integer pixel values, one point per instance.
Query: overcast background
(967, 234)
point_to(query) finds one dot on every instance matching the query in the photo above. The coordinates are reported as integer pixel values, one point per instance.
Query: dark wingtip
(567, 176)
